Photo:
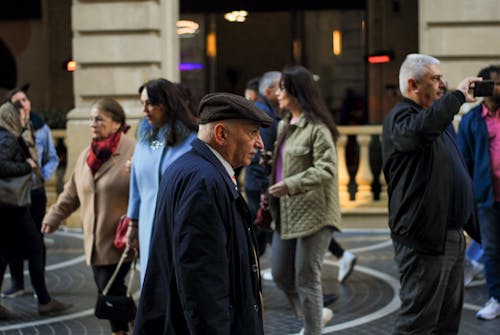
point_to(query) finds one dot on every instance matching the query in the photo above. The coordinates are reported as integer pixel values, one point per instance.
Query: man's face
(21, 100)
(431, 87)
(271, 93)
(242, 142)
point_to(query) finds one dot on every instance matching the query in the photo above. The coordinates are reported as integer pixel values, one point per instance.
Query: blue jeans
(489, 223)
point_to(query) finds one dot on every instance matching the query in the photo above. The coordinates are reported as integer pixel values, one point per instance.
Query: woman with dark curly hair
(165, 133)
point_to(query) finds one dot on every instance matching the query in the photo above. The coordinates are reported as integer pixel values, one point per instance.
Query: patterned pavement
(367, 301)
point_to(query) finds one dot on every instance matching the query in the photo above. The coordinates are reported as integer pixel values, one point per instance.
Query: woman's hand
(127, 166)
(31, 162)
(133, 235)
(278, 190)
(46, 229)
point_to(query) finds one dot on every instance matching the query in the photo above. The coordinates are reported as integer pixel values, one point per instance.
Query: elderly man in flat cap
(203, 271)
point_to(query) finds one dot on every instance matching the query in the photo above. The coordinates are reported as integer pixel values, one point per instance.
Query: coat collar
(203, 150)
(112, 160)
(301, 121)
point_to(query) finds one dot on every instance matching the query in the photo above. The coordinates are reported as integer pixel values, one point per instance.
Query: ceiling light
(187, 28)
(236, 16)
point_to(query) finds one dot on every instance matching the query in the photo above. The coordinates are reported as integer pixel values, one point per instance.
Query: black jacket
(203, 273)
(424, 169)
(13, 154)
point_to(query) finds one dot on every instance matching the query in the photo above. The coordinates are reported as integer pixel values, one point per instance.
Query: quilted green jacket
(311, 174)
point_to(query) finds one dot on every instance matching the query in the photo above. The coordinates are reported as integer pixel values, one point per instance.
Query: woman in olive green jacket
(304, 191)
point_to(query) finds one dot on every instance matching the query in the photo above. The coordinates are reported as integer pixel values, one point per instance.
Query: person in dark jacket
(37, 136)
(203, 272)
(20, 238)
(257, 174)
(430, 198)
(479, 141)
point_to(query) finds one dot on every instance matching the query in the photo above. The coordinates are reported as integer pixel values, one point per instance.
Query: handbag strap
(115, 273)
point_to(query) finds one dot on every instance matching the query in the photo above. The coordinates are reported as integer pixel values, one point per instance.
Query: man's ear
(412, 84)
(220, 134)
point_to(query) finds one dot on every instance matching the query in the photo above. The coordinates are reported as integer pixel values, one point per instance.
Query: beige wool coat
(310, 172)
(103, 199)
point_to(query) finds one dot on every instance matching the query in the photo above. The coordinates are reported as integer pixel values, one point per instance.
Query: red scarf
(101, 151)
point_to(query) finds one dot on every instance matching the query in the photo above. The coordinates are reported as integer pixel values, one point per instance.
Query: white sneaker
(490, 311)
(267, 275)
(326, 316)
(346, 265)
(472, 270)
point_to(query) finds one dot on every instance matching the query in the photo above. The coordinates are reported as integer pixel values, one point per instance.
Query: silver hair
(267, 80)
(414, 66)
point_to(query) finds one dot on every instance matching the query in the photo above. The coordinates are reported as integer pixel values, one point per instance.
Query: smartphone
(484, 88)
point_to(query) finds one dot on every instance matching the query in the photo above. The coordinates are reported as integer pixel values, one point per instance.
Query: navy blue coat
(474, 143)
(257, 175)
(203, 274)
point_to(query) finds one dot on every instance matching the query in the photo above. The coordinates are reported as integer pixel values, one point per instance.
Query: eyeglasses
(98, 119)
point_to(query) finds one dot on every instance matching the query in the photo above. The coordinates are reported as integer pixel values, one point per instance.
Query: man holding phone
(479, 141)
(430, 198)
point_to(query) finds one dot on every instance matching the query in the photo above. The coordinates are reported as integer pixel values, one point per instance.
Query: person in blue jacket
(164, 134)
(38, 138)
(203, 274)
(479, 141)
(257, 174)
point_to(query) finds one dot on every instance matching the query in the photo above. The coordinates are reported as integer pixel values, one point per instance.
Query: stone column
(118, 45)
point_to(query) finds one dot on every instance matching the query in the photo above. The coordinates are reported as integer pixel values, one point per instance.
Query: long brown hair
(299, 83)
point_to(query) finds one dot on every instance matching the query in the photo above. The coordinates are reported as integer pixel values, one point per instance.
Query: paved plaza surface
(367, 303)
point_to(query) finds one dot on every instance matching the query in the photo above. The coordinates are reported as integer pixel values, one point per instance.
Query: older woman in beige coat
(99, 185)
(304, 196)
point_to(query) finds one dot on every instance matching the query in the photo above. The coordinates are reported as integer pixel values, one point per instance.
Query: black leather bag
(16, 191)
(111, 307)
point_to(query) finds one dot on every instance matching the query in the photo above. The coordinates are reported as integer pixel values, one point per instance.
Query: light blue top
(151, 159)
(47, 155)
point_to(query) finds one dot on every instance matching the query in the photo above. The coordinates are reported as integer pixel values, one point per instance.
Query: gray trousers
(296, 268)
(432, 288)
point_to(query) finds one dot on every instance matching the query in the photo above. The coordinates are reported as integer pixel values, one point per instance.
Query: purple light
(190, 66)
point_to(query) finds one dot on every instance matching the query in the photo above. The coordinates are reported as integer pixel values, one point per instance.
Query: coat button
(254, 267)
(256, 307)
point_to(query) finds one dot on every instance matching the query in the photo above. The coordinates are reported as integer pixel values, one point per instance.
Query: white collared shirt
(225, 163)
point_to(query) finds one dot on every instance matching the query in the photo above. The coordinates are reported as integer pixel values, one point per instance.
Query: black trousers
(37, 210)
(262, 237)
(22, 240)
(102, 274)
(335, 248)
(432, 288)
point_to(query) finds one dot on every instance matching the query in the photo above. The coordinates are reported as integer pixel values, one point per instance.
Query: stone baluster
(364, 175)
(342, 170)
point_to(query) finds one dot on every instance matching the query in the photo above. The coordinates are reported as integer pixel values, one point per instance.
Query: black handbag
(111, 307)
(16, 191)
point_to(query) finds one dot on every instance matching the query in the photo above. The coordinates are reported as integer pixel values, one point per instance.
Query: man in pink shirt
(479, 141)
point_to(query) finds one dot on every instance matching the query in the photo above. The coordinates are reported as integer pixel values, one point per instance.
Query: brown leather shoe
(53, 307)
(6, 314)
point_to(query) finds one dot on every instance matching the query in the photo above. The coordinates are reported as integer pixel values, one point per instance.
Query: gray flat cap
(225, 106)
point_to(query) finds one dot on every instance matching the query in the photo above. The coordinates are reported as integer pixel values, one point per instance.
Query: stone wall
(118, 45)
